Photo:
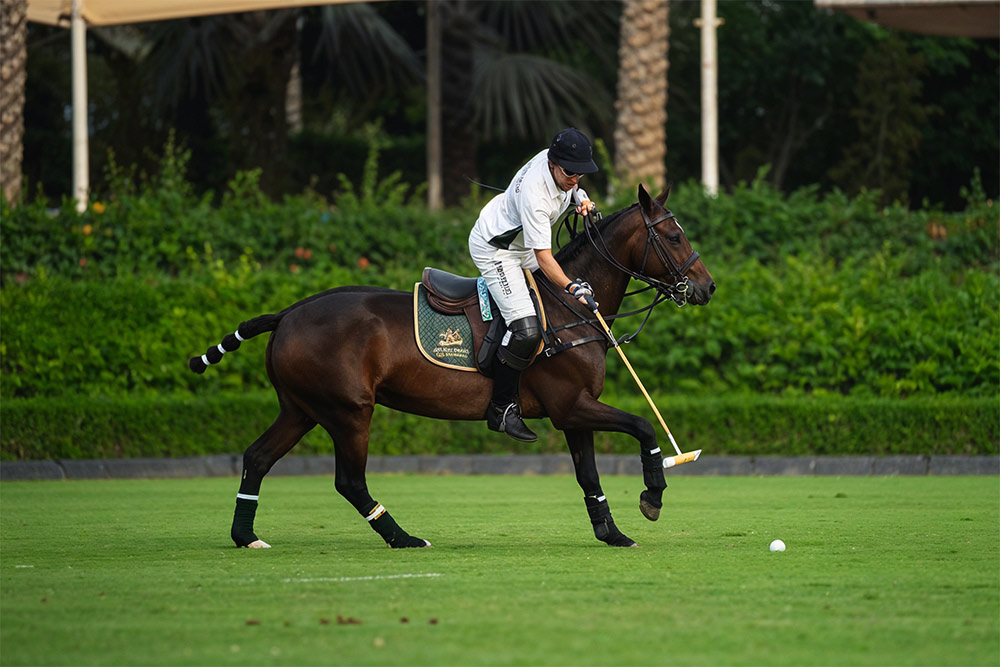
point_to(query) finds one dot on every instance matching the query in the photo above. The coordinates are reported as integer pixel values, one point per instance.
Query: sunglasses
(569, 174)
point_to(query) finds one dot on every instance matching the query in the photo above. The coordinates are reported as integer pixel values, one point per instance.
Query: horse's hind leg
(349, 430)
(581, 446)
(274, 443)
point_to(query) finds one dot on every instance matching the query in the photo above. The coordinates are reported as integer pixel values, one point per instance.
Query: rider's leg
(516, 351)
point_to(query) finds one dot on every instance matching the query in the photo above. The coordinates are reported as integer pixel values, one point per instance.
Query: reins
(550, 349)
(677, 291)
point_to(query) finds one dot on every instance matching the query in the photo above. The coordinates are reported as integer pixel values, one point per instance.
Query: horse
(333, 356)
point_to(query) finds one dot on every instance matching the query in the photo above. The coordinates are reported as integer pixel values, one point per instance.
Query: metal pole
(434, 187)
(81, 147)
(709, 99)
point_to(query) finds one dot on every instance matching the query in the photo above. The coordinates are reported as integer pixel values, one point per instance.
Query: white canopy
(114, 12)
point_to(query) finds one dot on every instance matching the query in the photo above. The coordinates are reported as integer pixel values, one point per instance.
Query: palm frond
(365, 51)
(529, 25)
(528, 96)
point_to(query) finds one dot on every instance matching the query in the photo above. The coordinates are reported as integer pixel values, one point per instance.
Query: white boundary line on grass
(375, 577)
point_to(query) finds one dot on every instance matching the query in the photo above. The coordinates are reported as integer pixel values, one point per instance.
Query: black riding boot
(503, 413)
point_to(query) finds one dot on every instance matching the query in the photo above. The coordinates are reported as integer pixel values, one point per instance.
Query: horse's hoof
(258, 544)
(648, 510)
(623, 541)
(649, 505)
(409, 542)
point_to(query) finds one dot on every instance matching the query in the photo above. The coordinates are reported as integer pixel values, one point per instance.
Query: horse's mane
(580, 241)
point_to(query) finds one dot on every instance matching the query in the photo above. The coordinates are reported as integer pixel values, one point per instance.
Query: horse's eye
(674, 238)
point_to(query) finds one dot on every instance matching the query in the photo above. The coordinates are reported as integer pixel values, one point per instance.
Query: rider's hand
(585, 207)
(582, 290)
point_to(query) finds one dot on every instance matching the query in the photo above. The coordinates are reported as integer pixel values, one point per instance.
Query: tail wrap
(231, 342)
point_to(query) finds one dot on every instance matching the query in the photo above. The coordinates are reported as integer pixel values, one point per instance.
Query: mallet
(668, 461)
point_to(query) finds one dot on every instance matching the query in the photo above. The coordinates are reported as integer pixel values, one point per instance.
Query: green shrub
(808, 326)
(185, 425)
(804, 327)
(817, 295)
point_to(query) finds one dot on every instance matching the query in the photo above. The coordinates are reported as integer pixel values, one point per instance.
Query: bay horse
(333, 356)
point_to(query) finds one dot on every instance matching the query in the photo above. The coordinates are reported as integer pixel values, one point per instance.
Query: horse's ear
(663, 196)
(644, 200)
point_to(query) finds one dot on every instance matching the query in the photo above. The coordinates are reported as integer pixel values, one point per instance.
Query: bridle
(680, 286)
(678, 290)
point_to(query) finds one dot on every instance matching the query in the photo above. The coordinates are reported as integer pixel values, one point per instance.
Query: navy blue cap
(572, 151)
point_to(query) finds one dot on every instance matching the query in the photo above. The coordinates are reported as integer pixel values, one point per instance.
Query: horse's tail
(231, 342)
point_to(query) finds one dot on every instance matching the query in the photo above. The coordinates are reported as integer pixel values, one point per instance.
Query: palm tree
(224, 80)
(640, 130)
(13, 68)
(511, 71)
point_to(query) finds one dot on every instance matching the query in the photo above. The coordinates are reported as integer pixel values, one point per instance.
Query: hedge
(829, 310)
(803, 327)
(183, 425)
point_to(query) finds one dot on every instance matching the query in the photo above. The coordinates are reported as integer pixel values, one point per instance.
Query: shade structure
(116, 12)
(945, 18)
(77, 15)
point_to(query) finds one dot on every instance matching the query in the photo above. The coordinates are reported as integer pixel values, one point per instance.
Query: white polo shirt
(522, 217)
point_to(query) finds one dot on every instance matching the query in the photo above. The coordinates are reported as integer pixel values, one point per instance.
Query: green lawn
(878, 571)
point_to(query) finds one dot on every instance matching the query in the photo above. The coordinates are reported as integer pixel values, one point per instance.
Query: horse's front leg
(581, 446)
(591, 414)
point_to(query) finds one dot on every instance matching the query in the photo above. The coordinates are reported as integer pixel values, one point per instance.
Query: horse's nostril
(711, 288)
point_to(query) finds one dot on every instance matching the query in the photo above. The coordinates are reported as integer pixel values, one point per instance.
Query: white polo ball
(777, 545)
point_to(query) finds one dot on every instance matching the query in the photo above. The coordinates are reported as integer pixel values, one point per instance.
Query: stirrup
(509, 421)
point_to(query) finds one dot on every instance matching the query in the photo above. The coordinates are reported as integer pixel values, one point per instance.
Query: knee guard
(520, 342)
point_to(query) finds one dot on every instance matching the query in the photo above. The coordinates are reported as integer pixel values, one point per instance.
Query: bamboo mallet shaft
(635, 377)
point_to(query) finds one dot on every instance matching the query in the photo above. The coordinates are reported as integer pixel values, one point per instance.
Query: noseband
(680, 288)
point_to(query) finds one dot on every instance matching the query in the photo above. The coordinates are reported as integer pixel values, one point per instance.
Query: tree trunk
(458, 135)
(13, 75)
(258, 110)
(640, 129)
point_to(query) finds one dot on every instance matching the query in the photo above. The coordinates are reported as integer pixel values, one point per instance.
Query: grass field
(878, 571)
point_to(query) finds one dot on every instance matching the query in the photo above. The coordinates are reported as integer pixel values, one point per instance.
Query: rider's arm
(550, 267)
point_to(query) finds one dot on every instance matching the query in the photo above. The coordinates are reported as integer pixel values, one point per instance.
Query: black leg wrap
(395, 537)
(650, 500)
(242, 531)
(604, 526)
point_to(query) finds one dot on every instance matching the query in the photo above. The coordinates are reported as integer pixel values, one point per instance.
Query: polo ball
(777, 545)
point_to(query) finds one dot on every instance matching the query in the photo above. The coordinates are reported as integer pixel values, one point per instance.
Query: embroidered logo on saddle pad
(444, 339)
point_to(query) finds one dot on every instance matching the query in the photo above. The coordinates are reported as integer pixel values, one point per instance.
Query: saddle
(457, 324)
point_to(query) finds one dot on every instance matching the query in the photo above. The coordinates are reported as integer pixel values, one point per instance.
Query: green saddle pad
(445, 340)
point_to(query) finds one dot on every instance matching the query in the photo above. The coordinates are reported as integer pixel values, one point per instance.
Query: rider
(514, 232)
